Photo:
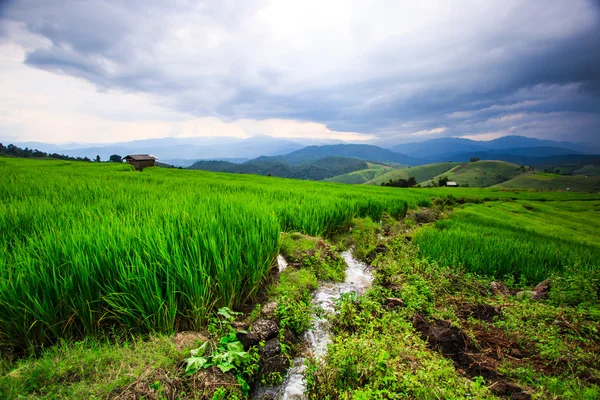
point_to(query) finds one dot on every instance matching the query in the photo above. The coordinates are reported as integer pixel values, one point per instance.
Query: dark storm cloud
(506, 68)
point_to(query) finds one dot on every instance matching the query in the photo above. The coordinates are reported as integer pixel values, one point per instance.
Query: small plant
(294, 314)
(271, 379)
(220, 323)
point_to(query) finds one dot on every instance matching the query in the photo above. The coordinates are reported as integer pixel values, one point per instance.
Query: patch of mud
(472, 359)
(152, 384)
(188, 340)
(379, 249)
(426, 215)
(482, 312)
(158, 384)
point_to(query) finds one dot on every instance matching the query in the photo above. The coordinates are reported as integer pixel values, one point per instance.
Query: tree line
(16, 151)
(401, 182)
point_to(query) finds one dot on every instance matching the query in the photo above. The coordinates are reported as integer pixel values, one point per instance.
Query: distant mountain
(315, 169)
(514, 141)
(193, 148)
(435, 148)
(443, 148)
(361, 151)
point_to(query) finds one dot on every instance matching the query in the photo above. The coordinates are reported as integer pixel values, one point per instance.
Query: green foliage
(272, 379)
(228, 355)
(294, 313)
(315, 255)
(384, 358)
(364, 237)
(574, 288)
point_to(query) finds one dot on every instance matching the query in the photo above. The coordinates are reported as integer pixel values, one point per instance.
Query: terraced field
(545, 181)
(480, 174)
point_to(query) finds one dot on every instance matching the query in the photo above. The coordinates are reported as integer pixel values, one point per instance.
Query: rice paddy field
(87, 248)
(527, 240)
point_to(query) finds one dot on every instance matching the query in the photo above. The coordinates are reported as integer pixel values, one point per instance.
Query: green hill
(362, 176)
(316, 169)
(545, 181)
(421, 173)
(480, 173)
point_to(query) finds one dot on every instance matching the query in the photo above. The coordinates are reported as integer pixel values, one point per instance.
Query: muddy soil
(480, 358)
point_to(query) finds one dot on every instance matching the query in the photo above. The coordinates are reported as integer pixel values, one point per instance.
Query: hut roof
(451, 184)
(140, 157)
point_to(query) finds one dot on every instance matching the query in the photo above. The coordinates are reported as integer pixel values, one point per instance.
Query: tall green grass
(524, 239)
(85, 248)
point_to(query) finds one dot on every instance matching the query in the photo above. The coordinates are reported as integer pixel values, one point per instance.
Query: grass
(481, 174)
(421, 173)
(88, 369)
(523, 239)
(546, 181)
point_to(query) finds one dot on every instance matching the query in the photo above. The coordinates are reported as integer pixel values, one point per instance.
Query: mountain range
(265, 153)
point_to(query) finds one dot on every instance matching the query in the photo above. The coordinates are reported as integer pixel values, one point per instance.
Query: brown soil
(482, 312)
(188, 340)
(480, 358)
(159, 384)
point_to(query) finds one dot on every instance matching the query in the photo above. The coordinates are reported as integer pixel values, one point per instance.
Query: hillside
(362, 176)
(317, 169)
(545, 181)
(421, 173)
(361, 151)
(480, 174)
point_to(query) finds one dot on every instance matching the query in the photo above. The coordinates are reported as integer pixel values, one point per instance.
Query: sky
(373, 71)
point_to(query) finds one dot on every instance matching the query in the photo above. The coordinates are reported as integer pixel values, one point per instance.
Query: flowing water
(358, 279)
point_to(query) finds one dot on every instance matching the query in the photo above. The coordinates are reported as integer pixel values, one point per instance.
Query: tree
(115, 158)
(97, 158)
(474, 159)
(412, 181)
(443, 181)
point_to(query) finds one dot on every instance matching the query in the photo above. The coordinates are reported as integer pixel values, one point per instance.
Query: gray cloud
(466, 71)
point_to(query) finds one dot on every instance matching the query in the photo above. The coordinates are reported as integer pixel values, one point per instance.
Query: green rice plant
(531, 242)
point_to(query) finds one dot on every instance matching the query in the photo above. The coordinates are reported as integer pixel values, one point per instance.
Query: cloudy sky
(389, 70)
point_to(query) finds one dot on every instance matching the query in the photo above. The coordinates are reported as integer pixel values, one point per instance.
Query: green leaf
(225, 367)
(195, 364)
(200, 351)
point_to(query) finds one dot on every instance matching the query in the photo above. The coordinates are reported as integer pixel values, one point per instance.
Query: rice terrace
(300, 200)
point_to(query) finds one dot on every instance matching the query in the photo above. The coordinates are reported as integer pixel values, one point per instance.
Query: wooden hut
(141, 161)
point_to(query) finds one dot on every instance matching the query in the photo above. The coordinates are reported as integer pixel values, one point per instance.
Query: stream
(318, 337)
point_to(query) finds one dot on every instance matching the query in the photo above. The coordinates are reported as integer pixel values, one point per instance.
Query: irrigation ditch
(318, 336)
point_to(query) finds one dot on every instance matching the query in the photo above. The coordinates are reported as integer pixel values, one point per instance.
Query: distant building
(453, 184)
(141, 161)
